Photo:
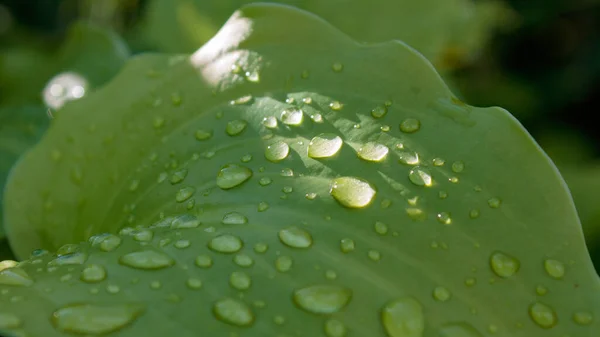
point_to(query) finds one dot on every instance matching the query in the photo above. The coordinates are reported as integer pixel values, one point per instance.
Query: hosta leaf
(20, 128)
(445, 31)
(296, 183)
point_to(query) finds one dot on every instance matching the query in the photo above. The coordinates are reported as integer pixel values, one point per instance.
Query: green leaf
(20, 128)
(447, 32)
(394, 209)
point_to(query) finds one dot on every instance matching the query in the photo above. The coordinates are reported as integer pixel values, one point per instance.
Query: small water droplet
(458, 166)
(246, 158)
(236, 127)
(178, 176)
(385, 128)
(310, 196)
(335, 328)
(420, 176)
(264, 181)
(352, 192)
(233, 312)
(236, 69)
(295, 237)
(261, 248)
(243, 260)
(234, 218)
(284, 263)
(317, 118)
(443, 194)
(374, 255)
(232, 175)
(408, 158)
(373, 152)
(277, 151)
(182, 244)
(504, 265)
(337, 67)
(15, 276)
(494, 202)
(106, 242)
(542, 315)
(410, 125)
(444, 218)
(381, 228)
(287, 172)
(240, 101)
(270, 122)
(403, 318)
(226, 244)
(322, 299)
(541, 290)
(184, 194)
(252, 76)
(10, 321)
(292, 116)
(203, 134)
(146, 259)
(458, 330)
(88, 319)
(347, 245)
(583, 318)
(336, 106)
(93, 273)
(554, 268)
(379, 111)
(203, 261)
(441, 294)
(193, 283)
(438, 162)
(324, 145)
(240, 280)
(474, 213)
(185, 221)
(262, 206)
(144, 235)
(470, 281)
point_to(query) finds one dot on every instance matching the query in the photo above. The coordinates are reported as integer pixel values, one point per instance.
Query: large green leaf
(20, 128)
(445, 31)
(398, 210)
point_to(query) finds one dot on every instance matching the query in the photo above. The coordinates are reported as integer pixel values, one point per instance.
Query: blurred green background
(538, 59)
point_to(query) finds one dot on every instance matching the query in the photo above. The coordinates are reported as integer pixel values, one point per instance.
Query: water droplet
(243, 260)
(178, 176)
(444, 218)
(236, 69)
(234, 218)
(443, 194)
(373, 152)
(88, 319)
(317, 118)
(554, 268)
(374, 255)
(379, 111)
(324, 145)
(146, 259)
(240, 280)
(240, 101)
(236, 127)
(182, 244)
(287, 172)
(185, 221)
(292, 116)
(112, 289)
(352, 192)
(144, 235)
(10, 321)
(252, 76)
(335, 328)
(232, 175)
(347, 245)
(287, 189)
(284, 263)
(322, 299)
(155, 285)
(295, 237)
(385, 128)
(336, 106)
(15, 277)
(203, 134)
(438, 162)
(470, 281)
(542, 315)
(226, 243)
(408, 158)
(458, 330)
(277, 151)
(410, 125)
(184, 194)
(403, 318)
(504, 265)
(106, 242)
(494, 202)
(310, 196)
(262, 206)
(261, 248)
(381, 228)
(541, 290)
(458, 166)
(193, 283)
(233, 312)
(441, 294)
(420, 176)
(133, 186)
(474, 213)
(203, 261)
(337, 67)
(93, 273)
(264, 181)
(583, 318)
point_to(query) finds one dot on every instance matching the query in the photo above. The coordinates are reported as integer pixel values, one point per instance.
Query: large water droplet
(504, 265)
(15, 277)
(226, 244)
(147, 259)
(236, 127)
(542, 315)
(554, 268)
(322, 299)
(458, 330)
(240, 280)
(295, 237)
(373, 152)
(352, 192)
(292, 116)
(232, 175)
(233, 312)
(324, 145)
(420, 176)
(88, 319)
(403, 318)
(277, 151)
(410, 125)
(93, 273)
(234, 218)
(335, 328)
